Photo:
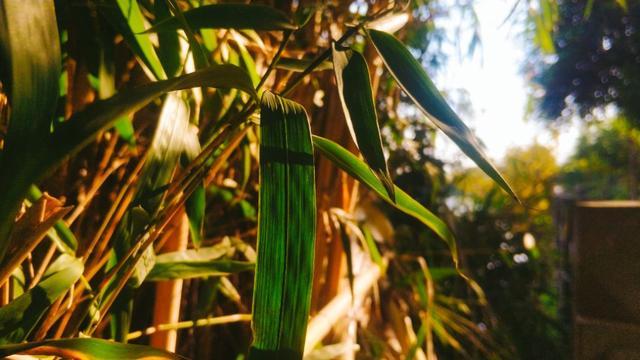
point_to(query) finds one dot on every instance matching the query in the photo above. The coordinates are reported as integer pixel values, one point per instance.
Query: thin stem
(276, 58)
(319, 60)
(226, 319)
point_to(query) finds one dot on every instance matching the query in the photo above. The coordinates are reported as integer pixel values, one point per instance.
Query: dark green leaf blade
(30, 69)
(172, 270)
(83, 126)
(286, 231)
(299, 65)
(354, 88)
(230, 16)
(414, 81)
(125, 16)
(19, 317)
(88, 348)
(357, 169)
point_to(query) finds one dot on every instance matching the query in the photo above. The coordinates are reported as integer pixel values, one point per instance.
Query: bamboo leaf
(414, 81)
(189, 269)
(30, 61)
(197, 51)
(299, 65)
(286, 231)
(357, 169)
(83, 126)
(230, 16)
(87, 348)
(354, 88)
(168, 41)
(172, 138)
(125, 16)
(195, 207)
(19, 317)
(208, 261)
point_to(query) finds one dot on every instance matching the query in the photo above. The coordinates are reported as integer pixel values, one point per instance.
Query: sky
(497, 89)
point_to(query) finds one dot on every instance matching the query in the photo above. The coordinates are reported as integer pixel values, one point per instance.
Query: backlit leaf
(354, 88)
(30, 61)
(87, 349)
(405, 203)
(416, 83)
(20, 316)
(286, 231)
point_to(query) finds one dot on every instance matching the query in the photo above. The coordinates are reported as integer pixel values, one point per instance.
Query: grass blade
(87, 348)
(354, 88)
(19, 317)
(357, 169)
(230, 16)
(416, 83)
(286, 231)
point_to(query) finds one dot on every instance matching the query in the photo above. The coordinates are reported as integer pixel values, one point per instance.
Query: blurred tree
(599, 168)
(594, 67)
(509, 249)
(596, 60)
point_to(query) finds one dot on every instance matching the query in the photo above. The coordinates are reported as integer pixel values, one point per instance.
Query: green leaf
(207, 261)
(195, 207)
(30, 61)
(88, 348)
(83, 126)
(286, 231)
(354, 88)
(299, 65)
(189, 269)
(125, 16)
(19, 317)
(230, 16)
(357, 169)
(168, 41)
(200, 60)
(415, 82)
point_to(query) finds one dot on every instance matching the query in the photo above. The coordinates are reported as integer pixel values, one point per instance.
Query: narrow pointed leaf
(357, 169)
(171, 138)
(230, 16)
(19, 317)
(125, 16)
(189, 269)
(168, 41)
(195, 207)
(416, 83)
(30, 69)
(299, 65)
(87, 348)
(286, 231)
(84, 125)
(354, 88)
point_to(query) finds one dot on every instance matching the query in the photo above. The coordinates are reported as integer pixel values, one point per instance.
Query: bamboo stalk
(169, 293)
